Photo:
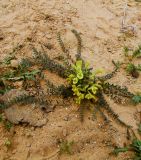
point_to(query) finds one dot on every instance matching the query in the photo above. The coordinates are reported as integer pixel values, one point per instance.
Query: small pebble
(28, 145)
(14, 63)
(14, 151)
(32, 128)
(64, 132)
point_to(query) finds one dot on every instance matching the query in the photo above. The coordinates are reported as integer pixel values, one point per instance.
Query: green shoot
(136, 99)
(137, 52)
(119, 150)
(117, 64)
(14, 76)
(8, 143)
(132, 69)
(8, 59)
(126, 50)
(139, 67)
(8, 125)
(66, 147)
(135, 147)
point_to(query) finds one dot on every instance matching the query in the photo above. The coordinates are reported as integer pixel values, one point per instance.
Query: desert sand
(100, 23)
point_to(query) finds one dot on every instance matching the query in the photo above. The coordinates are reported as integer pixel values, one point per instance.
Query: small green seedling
(126, 51)
(135, 147)
(117, 64)
(136, 99)
(132, 70)
(119, 150)
(137, 52)
(13, 76)
(8, 143)
(30, 75)
(66, 147)
(139, 67)
(132, 54)
(4, 87)
(8, 59)
(24, 64)
(8, 125)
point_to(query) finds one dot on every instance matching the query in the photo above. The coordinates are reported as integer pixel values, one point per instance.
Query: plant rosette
(83, 83)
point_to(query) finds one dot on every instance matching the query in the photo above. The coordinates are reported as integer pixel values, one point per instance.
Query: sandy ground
(99, 22)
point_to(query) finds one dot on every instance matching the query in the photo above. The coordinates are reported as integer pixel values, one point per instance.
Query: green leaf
(87, 65)
(137, 52)
(119, 150)
(8, 59)
(130, 68)
(8, 143)
(70, 78)
(117, 64)
(24, 64)
(66, 147)
(8, 125)
(139, 67)
(94, 89)
(136, 143)
(1, 118)
(98, 71)
(75, 80)
(79, 64)
(30, 75)
(75, 89)
(139, 129)
(80, 97)
(136, 99)
(80, 75)
(126, 50)
(90, 96)
(83, 88)
(135, 147)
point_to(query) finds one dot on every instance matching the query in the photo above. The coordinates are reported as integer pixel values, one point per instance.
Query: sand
(99, 22)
